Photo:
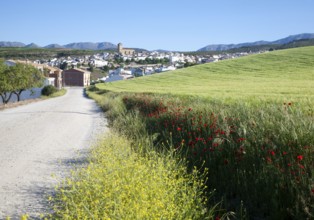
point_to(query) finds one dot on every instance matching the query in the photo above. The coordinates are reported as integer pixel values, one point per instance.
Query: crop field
(280, 75)
(247, 124)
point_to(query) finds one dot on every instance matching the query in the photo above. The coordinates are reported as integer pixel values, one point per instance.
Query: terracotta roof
(36, 65)
(79, 70)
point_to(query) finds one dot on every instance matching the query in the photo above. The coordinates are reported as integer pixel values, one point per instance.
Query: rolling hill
(284, 75)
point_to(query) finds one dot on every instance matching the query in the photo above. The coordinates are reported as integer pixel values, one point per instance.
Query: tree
(91, 68)
(25, 77)
(18, 78)
(5, 85)
(105, 68)
(46, 71)
(64, 65)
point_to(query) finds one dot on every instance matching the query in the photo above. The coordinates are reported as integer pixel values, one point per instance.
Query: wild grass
(119, 183)
(260, 156)
(250, 121)
(127, 179)
(247, 124)
(60, 92)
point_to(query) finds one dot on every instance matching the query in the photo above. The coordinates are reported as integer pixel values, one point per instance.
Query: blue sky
(183, 25)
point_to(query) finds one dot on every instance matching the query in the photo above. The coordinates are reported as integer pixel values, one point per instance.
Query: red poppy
(268, 159)
(300, 157)
(215, 144)
(241, 139)
(179, 129)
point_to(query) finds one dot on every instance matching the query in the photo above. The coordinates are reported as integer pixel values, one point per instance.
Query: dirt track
(41, 139)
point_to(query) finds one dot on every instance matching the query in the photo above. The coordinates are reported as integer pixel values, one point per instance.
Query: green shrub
(48, 90)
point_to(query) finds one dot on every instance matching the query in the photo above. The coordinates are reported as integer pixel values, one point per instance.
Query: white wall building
(99, 63)
(49, 81)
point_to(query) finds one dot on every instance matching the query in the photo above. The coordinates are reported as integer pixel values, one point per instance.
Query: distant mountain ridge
(32, 45)
(53, 46)
(11, 44)
(79, 45)
(91, 46)
(110, 46)
(221, 47)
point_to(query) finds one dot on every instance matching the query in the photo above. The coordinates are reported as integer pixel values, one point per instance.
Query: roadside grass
(119, 183)
(127, 179)
(249, 121)
(259, 157)
(247, 126)
(60, 92)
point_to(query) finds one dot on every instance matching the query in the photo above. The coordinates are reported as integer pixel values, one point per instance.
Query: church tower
(120, 48)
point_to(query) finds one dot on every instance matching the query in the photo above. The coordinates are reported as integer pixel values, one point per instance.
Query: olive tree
(6, 85)
(18, 78)
(25, 77)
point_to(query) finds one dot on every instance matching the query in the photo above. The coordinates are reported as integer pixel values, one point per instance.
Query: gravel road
(39, 141)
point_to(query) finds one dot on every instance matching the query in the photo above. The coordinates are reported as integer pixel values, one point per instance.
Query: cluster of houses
(176, 60)
(57, 77)
(133, 67)
(53, 76)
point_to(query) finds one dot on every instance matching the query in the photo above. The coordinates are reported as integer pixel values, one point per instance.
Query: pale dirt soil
(17, 104)
(40, 140)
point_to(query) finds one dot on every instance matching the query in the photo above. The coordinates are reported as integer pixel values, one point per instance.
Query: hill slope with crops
(286, 74)
(249, 121)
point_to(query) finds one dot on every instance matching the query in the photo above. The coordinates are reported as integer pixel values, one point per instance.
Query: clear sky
(183, 25)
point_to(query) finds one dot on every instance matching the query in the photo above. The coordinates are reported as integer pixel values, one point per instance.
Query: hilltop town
(127, 63)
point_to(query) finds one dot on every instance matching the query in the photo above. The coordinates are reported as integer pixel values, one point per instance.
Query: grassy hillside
(249, 122)
(286, 74)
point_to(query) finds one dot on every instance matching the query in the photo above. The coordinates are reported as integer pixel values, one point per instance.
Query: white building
(99, 63)
(175, 58)
(164, 69)
(49, 81)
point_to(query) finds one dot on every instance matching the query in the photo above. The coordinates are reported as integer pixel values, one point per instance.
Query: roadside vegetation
(127, 179)
(52, 92)
(245, 126)
(120, 183)
(18, 78)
